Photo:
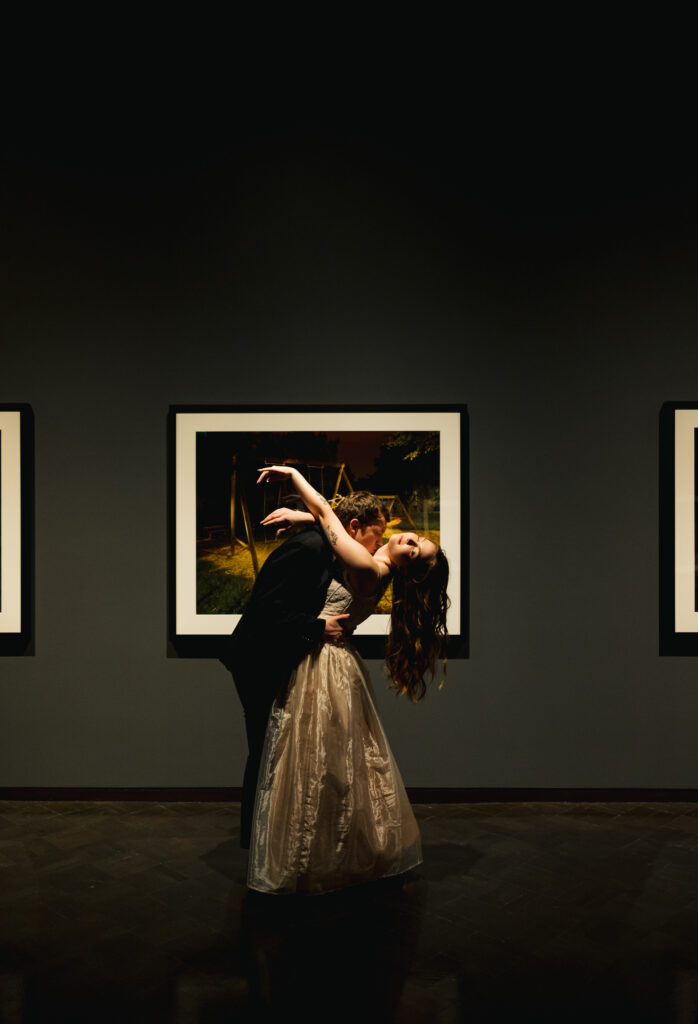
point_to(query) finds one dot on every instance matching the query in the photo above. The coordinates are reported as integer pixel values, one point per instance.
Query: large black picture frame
(191, 634)
(16, 529)
(678, 528)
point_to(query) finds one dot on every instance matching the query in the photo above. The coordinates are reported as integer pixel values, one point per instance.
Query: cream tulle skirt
(331, 810)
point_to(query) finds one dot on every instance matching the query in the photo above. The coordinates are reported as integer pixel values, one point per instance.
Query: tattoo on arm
(332, 536)
(321, 499)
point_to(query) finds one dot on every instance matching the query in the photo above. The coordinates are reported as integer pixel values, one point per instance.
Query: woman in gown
(331, 809)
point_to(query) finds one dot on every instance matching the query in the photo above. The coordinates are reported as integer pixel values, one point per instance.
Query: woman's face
(404, 548)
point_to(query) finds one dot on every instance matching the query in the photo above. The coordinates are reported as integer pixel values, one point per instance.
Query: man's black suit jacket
(280, 624)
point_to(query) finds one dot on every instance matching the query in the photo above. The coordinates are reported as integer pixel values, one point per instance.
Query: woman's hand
(284, 518)
(269, 473)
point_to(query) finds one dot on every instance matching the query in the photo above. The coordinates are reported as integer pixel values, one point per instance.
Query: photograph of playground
(231, 546)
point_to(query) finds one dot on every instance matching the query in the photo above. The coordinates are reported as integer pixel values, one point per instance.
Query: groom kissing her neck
(364, 517)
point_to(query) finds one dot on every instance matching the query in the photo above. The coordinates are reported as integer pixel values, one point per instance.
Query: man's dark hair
(361, 505)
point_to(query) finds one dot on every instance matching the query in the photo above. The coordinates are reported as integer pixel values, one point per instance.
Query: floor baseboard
(418, 795)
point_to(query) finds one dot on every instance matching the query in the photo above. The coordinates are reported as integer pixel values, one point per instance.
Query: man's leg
(256, 691)
(255, 726)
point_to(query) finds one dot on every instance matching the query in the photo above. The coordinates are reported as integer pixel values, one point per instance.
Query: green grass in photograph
(219, 592)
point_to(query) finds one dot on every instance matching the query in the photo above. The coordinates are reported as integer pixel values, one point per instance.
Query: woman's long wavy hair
(418, 631)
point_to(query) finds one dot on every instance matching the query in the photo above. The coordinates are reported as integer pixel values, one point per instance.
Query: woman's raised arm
(349, 551)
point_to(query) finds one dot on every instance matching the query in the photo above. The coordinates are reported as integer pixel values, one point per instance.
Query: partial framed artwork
(16, 529)
(678, 528)
(414, 457)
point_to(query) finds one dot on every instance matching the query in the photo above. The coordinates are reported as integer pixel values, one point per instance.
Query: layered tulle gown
(331, 809)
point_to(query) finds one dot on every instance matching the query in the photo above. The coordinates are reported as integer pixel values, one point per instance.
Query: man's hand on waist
(336, 631)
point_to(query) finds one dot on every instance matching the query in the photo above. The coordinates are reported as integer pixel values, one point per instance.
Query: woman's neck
(382, 556)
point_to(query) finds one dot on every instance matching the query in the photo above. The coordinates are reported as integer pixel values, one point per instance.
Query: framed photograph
(414, 458)
(678, 528)
(16, 528)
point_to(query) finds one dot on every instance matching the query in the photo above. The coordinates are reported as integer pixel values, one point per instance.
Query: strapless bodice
(341, 601)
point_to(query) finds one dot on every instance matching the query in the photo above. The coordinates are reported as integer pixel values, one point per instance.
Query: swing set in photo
(414, 459)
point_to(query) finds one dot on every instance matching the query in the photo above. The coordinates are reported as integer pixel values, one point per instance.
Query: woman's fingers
(279, 515)
(267, 473)
(273, 472)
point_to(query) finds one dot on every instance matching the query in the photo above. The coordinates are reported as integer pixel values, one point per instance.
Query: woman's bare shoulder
(367, 583)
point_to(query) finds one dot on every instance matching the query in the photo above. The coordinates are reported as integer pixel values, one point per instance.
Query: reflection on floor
(139, 912)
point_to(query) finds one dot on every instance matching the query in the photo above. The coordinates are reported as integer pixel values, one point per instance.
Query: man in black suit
(280, 624)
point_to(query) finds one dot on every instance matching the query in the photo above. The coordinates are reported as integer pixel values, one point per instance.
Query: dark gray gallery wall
(550, 287)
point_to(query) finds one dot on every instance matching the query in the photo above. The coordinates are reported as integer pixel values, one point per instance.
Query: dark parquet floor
(567, 912)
